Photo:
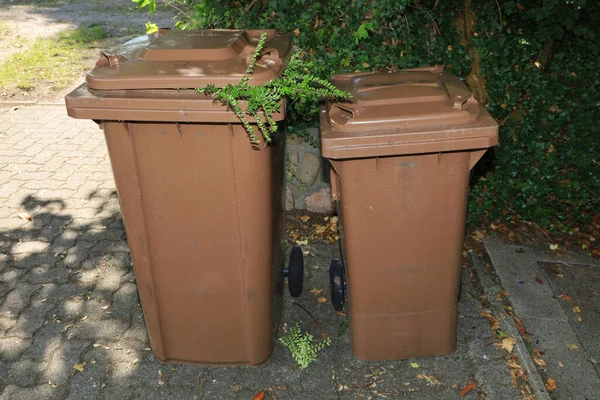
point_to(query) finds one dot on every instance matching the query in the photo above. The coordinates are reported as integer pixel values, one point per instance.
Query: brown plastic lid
(405, 112)
(189, 59)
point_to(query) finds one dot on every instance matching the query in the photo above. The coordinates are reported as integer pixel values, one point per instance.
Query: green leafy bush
(533, 62)
(543, 87)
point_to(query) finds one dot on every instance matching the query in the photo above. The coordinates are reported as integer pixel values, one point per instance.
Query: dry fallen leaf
(296, 32)
(579, 319)
(432, 380)
(560, 364)
(520, 327)
(486, 315)
(259, 396)
(539, 361)
(539, 280)
(302, 242)
(508, 344)
(513, 376)
(24, 215)
(80, 367)
(566, 297)
(550, 384)
(573, 346)
(553, 247)
(304, 218)
(414, 365)
(479, 236)
(320, 228)
(322, 299)
(467, 389)
(576, 309)
(316, 291)
(513, 364)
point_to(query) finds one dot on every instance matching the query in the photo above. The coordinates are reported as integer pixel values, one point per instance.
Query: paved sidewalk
(556, 296)
(68, 298)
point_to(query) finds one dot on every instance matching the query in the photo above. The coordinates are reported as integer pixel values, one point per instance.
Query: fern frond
(295, 83)
(304, 350)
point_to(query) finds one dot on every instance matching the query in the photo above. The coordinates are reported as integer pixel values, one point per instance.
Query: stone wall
(307, 172)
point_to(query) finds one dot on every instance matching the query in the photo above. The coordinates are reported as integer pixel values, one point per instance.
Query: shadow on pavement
(71, 327)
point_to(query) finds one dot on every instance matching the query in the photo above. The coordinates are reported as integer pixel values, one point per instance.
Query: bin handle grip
(396, 78)
(351, 108)
(457, 92)
(270, 58)
(110, 59)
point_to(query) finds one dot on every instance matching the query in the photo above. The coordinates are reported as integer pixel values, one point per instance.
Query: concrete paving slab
(543, 253)
(518, 269)
(553, 325)
(576, 378)
(507, 324)
(578, 293)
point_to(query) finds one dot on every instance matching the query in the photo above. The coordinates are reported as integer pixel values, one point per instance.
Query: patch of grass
(56, 60)
(4, 29)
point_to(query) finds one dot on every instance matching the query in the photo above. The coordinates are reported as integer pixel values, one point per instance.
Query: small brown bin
(400, 157)
(202, 207)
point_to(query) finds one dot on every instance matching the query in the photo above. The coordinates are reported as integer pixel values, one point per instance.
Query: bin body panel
(203, 213)
(403, 223)
(400, 155)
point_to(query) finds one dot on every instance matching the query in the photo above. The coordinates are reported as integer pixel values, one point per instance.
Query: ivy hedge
(533, 63)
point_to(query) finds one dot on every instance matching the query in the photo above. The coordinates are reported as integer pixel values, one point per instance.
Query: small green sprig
(304, 350)
(295, 83)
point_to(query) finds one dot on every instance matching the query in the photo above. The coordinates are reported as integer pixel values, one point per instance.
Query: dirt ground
(26, 21)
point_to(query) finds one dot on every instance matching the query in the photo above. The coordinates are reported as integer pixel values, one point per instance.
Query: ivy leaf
(363, 32)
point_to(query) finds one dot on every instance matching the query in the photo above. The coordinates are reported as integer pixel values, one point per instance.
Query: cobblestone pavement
(71, 325)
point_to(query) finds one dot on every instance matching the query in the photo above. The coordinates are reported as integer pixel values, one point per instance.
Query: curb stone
(508, 325)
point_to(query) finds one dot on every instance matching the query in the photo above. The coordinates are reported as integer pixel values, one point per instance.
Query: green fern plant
(304, 350)
(295, 83)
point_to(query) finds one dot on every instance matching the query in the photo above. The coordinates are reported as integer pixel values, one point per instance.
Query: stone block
(320, 202)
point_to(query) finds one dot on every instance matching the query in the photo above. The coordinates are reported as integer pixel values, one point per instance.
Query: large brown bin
(202, 207)
(400, 157)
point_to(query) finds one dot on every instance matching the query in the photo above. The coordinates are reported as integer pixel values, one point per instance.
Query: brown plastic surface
(401, 189)
(406, 112)
(151, 105)
(203, 212)
(189, 59)
(202, 207)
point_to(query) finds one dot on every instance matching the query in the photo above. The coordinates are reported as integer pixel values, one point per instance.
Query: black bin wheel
(296, 272)
(337, 285)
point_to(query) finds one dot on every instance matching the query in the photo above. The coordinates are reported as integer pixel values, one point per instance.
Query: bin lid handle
(458, 93)
(353, 109)
(110, 59)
